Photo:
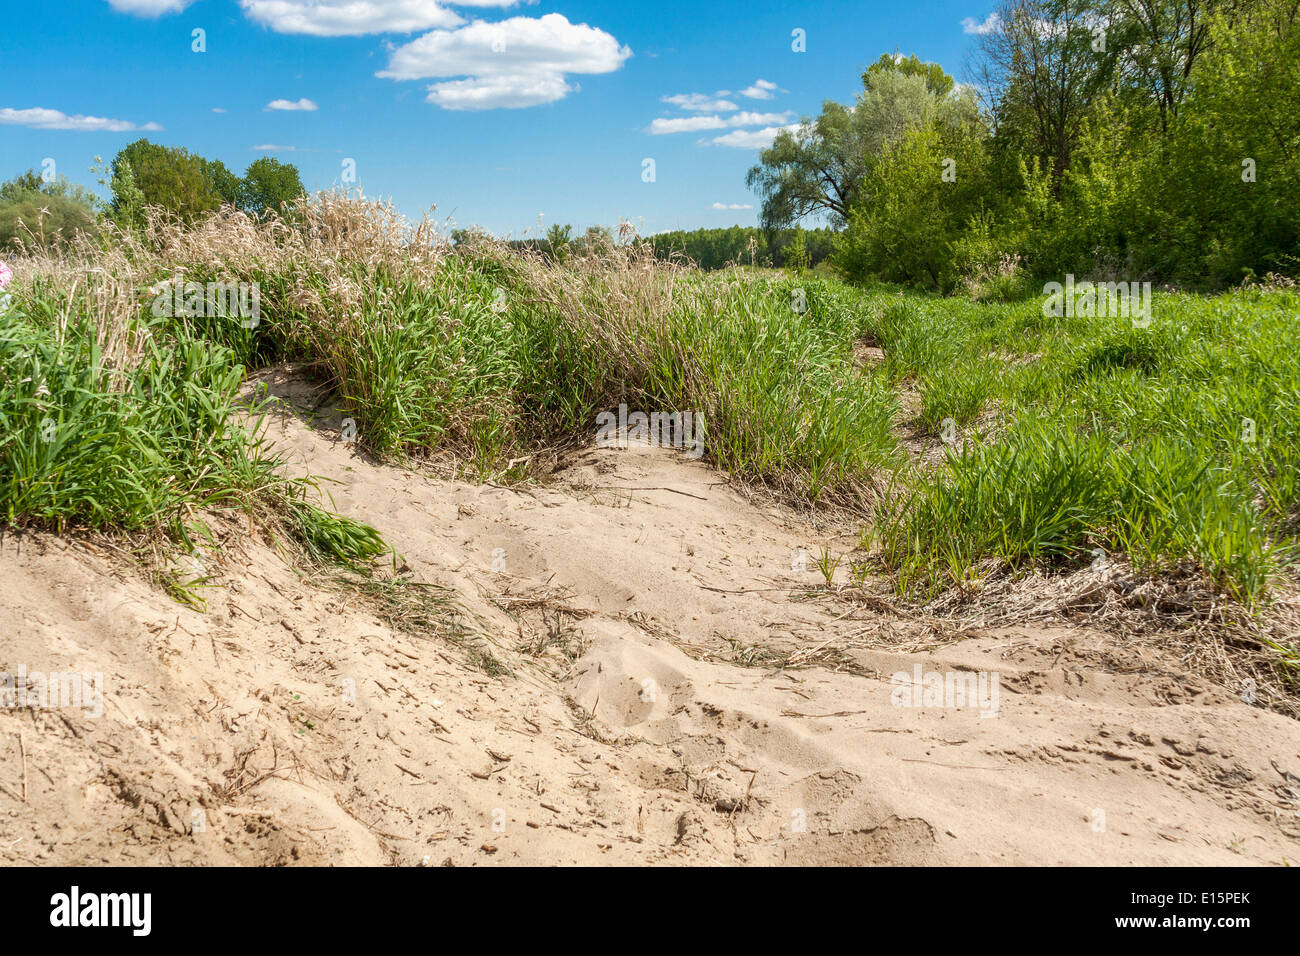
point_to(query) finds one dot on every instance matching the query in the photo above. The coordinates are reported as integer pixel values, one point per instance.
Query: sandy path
(648, 722)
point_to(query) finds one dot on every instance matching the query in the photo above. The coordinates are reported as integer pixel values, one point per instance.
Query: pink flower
(6, 276)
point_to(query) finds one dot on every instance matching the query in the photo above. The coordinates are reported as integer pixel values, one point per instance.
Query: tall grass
(111, 421)
(481, 355)
(1177, 444)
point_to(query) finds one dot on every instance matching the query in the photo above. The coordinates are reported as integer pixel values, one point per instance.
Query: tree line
(1154, 139)
(51, 210)
(796, 247)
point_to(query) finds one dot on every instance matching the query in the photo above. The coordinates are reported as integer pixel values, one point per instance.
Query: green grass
(1177, 445)
(142, 440)
(447, 365)
(1137, 441)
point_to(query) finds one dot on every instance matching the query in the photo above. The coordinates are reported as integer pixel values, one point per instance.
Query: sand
(677, 693)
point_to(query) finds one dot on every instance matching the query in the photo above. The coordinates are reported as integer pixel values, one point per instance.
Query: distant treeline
(42, 209)
(715, 248)
(707, 248)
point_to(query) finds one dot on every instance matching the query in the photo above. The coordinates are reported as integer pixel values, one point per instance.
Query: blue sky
(494, 110)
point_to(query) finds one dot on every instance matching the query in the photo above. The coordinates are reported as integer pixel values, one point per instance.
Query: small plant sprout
(827, 564)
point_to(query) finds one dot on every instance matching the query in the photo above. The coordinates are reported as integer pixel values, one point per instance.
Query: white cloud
(757, 119)
(39, 118)
(149, 8)
(731, 205)
(718, 102)
(702, 102)
(272, 148)
(761, 90)
(499, 92)
(975, 28)
(513, 63)
(694, 124)
(337, 18)
(685, 124)
(752, 139)
(303, 104)
(218, 109)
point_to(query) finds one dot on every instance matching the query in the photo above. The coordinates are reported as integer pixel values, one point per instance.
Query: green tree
(47, 215)
(936, 80)
(809, 170)
(222, 181)
(919, 201)
(270, 185)
(128, 203)
(170, 177)
(1040, 66)
(21, 184)
(558, 239)
(1153, 46)
(819, 167)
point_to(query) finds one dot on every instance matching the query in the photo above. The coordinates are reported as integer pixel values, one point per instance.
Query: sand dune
(676, 694)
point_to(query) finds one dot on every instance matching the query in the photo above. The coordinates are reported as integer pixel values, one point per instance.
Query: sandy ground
(677, 693)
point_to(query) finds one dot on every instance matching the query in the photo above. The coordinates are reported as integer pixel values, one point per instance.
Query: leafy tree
(44, 214)
(1039, 65)
(796, 254)
(818, 168)
(1228, 185)
(27, 182)
(166, 176)
(920, 198)
(558, 241)
(1123, 139)
(1153, 45)
(222, 181)
(269, 185)
(936, 80)
(809, 170)
(128, 204)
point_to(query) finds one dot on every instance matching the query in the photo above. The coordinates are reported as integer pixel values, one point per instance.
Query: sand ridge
(677, 693)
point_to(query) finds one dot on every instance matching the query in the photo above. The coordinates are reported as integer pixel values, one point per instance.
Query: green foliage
(936, 80)
(796, 254)
(88, 444)
(558, 240)
(127, 207)
(20, 185)
(923, 192)
(1164, 147)
(269, 184)
(906, 233)
(818, 168)
(170, 177)
(222, 181)
(1176, 445)
(189, 186)
(811, 170)
(718, 248)
(329, 538)
(77, 449)
(43, 215)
